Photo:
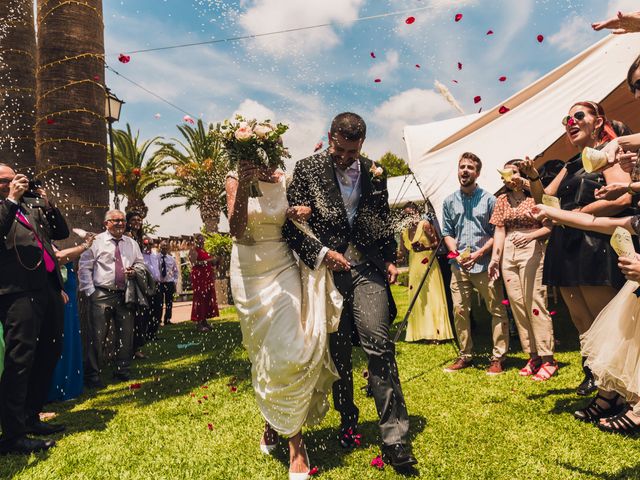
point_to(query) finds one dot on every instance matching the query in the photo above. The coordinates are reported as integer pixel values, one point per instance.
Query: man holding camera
(31, 310)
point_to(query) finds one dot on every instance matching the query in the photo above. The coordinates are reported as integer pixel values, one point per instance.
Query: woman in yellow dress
(429, 319)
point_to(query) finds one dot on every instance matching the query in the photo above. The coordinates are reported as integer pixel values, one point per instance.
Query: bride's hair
(349, 125)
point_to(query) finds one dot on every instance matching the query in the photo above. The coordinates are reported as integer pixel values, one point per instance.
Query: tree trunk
(71, 142)
(17, 85)
(210, 215)
(137, 205)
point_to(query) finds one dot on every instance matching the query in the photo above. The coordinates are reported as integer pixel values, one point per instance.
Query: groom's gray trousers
(366, 310)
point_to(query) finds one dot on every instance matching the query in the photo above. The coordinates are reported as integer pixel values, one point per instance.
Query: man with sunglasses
(31, 313)
(102, 274)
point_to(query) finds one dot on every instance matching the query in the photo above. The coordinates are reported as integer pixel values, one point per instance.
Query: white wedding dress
(284, 316)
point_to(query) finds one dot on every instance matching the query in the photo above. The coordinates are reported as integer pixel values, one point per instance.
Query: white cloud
(574, 36)
(384, 69)
(272, 15)
(524, 79)
(251, 109)
(624, 6)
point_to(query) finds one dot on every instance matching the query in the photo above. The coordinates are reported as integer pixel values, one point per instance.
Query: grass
(464, 426)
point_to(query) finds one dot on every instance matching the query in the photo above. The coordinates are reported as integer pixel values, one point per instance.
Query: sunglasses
(635, 86)
(117, 220)
(569, 120)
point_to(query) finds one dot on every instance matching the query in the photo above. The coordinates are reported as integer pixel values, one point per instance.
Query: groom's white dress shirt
(350, 189)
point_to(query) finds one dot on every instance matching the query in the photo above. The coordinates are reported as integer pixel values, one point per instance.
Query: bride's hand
(247, 172)
(299, 213)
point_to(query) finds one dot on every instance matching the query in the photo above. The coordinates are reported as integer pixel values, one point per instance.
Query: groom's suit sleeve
(389, 246)
(298, 193)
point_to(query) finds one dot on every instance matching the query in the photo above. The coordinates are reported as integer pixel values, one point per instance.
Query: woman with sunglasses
(519, 248)
(583, 264)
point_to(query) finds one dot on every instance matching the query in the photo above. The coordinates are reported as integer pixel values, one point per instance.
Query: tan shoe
(459, 364)
(496, 367)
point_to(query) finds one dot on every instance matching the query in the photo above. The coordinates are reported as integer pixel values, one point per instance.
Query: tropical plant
(200, 166)
(138, 171)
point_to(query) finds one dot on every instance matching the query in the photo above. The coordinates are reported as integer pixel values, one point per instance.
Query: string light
(73, 140)
(42, 17)
(17, 89)
(99, 56)
(73, 110)
(64, 87)
(71, 165)
(24, 52)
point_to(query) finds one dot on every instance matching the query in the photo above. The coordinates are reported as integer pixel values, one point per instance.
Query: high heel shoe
(595, 411)
(267, 449)
(302, 475)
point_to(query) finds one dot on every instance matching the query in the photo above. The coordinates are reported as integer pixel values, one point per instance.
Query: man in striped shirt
(469, 237)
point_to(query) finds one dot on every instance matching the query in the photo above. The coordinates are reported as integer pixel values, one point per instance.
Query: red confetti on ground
(458, 17)
(313, 471)
(502, 79)
(490, 32)
(50, 121)
(410, 20)
(459, 66)
(124, 58)
(200, 401)
(536, 312)
(193, 394)
(477, 99)
(453, 254)
(503, 110)
(505, 302)
(209, 426)
(377, 462)
(365, 373)
(135, 386)
(373, 55)
(425, 260)
(204, 386)
(552, 312)
(377, 80)
(205, 397)
(233, 388)
(540, 38)
(417, 65)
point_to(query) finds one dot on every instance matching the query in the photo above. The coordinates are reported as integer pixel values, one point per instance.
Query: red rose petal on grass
(313, 471)
(503, 110)
(199, 401)
(209, 426)
(453, 254)
(50, 121)
(135, 386)
(540, 38)
(505, 302)
(459, 66)
(233, 389)
(536, 312)
(377, 462)
(193, 394)
(373, 55)
(552, 312)
(477, 99)
(204, 386)
(490, 32)
(205, 397)
(425, 260)
(410, 20)
(458, 17)
(502, 79)
(124, 58)
(377, 80)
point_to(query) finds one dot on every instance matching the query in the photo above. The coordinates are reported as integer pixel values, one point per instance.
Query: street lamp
(113, 105)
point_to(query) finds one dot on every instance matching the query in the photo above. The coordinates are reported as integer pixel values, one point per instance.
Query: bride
(283, 310)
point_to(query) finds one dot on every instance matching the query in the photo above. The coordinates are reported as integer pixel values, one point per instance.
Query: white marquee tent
(531, 127)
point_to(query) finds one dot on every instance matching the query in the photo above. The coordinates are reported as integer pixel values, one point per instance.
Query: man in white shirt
(102, 274)
(168, 278)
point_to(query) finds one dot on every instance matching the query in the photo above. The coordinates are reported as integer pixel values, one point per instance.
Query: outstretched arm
(582, 221)
(621, 23)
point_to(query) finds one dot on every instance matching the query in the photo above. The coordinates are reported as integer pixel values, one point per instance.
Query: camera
(31, 196)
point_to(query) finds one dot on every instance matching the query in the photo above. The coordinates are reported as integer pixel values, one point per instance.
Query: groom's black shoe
(398, 456)
(38, 427)
(349, 436)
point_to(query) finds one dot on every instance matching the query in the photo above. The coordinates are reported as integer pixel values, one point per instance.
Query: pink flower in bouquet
(262, 130)
(244, 132)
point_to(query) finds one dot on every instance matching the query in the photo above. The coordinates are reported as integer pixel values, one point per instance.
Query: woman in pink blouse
(519, 247)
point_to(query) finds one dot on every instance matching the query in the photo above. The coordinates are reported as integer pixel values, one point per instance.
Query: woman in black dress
(581, 263)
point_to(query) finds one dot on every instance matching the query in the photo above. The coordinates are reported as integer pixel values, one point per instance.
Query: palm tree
(71, 134)
(17, 84)
(200, 166)
(137, 171)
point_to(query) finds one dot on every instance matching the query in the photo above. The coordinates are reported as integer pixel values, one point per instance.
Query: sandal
(546, 371)
(531, 368)
(594, 411)
(269, 448)
(620, 423)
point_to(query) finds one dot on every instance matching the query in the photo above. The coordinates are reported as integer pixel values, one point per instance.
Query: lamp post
(113, 105)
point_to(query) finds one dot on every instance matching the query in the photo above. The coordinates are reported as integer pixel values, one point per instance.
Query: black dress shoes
(123, 377)
(38, 427)
(398, 456)
(587, 387)
(25, 445)
(94, 383)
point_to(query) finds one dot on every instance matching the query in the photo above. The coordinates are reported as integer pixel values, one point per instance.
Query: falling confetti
(540, 38)
(454, 81)
(124, 58)
(505, 302)
(188, 119)
(453, 254)
(157, 115)
(536, 312)
(410, 20)
(210, 426)
(552, 312)
(502, 110)
(96, 78)
(490, 32)
(417, 65)
(502, 79)
(477, 99)
(135, 386)
(459, 66)
(377, 80)
(458, 17)
(425, 260)
(318, 146)
(313, 471)
(373, 55)
(50, 121)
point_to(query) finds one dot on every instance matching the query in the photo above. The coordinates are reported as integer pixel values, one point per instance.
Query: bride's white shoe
(301, 475)
(267, 449)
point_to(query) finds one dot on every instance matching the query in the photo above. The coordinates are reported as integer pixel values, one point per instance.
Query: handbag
(586, 192)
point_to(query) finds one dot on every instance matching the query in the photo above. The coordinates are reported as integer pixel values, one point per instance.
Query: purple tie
(120, 277)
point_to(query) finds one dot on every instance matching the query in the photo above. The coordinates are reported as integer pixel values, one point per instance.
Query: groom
(348, 196)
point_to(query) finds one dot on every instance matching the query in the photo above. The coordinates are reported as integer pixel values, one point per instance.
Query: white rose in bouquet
(243, 133)
(262, 130)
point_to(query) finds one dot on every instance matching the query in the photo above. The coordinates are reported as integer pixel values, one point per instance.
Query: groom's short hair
(349, 125)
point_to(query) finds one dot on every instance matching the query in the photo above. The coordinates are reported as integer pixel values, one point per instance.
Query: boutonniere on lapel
(376, 173)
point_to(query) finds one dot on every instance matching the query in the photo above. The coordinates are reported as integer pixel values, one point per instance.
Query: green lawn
(464, 426)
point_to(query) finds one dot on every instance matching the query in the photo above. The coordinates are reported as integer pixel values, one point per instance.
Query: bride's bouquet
(256, 142)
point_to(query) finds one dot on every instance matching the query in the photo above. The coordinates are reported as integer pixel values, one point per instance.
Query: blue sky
(305, 78)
